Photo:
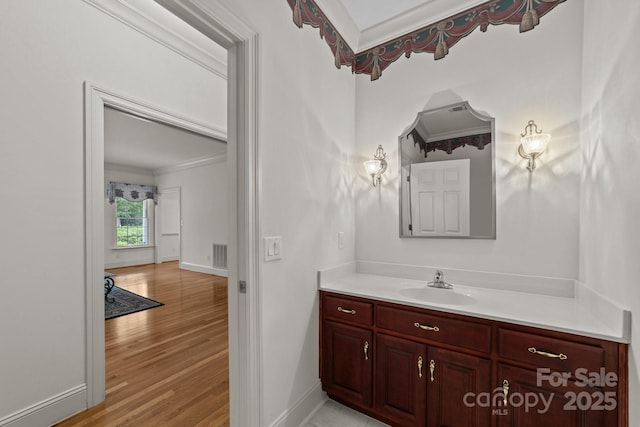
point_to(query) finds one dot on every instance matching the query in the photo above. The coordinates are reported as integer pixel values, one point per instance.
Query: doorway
(242, 44)
(175, 355)
(188, 172)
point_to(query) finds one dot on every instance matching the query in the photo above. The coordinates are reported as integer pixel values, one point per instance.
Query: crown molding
(190, 164)
(436, 38)
(338, 15)
(409, 21)
(150, 19)
(115, 167)
(396, 26)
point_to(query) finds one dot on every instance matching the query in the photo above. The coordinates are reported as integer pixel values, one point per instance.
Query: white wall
(49, 49)
(204, 210)
(514, 78)
(610, 149)
(123, 257)
(306, 144)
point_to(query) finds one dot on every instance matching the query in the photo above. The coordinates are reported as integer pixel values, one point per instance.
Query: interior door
(169, 214)
(440, 198)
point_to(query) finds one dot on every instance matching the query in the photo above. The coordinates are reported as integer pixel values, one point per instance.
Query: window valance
(132, 192)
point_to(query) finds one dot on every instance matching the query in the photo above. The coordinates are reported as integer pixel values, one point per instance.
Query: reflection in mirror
(448, 174)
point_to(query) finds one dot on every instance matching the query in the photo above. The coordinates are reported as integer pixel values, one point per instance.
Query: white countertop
(577, 315)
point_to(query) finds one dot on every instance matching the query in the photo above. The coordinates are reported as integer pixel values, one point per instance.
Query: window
(132, 223)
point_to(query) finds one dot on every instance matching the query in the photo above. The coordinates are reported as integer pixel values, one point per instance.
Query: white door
(169, 224)
(440, 198)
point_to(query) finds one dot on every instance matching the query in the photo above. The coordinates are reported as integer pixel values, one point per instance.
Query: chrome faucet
(438, 281)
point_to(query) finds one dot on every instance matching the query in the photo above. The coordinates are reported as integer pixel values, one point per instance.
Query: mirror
(448, 174)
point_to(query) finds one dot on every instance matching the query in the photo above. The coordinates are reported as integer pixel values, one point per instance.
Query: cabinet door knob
(505, 390)
(560, 356)
(419, 366)
(366, 350)
(346, 310)
(432, 368)
(426, 327)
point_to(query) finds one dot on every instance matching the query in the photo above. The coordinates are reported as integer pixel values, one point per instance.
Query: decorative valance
(132, 192)
(436, 38)
(448, 145)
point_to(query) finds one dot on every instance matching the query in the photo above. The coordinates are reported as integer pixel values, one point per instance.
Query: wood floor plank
(167, 366)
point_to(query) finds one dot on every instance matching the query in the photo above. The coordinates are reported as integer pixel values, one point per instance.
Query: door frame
(243, 83)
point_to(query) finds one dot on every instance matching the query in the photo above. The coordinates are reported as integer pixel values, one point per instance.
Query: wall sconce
(532, 143)
(377, 166)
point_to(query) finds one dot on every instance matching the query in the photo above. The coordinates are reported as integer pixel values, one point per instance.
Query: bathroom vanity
(407, 361)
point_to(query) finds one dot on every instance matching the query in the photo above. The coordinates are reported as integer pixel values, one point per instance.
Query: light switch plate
(272, 248)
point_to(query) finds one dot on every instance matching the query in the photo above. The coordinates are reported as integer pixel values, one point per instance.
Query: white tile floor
(333, 414)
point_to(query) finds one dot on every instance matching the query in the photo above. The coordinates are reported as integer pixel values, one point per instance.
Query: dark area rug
(121, 302)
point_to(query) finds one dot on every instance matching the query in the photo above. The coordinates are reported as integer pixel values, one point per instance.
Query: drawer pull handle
(420, 366)
(432, 368)
(346, 310)
(505, 390)
(560, 356)
(426, 328)
(366, 350)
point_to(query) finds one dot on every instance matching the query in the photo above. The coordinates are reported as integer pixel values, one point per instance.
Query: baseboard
(49, 411)
(128, 263)
(302, 409)
(204, 269)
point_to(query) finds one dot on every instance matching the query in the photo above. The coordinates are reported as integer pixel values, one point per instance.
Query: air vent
(219, 255)
(458, 108)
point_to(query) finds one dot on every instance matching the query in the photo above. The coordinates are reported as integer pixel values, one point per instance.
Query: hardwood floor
(167, 366)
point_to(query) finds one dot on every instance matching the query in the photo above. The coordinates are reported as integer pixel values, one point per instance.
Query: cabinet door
(347, 362)
(554, 405)
(454, 381)
(401, 380)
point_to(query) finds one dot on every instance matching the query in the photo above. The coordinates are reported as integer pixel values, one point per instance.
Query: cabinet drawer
(461, 333)
(556, 354)
(348, 310)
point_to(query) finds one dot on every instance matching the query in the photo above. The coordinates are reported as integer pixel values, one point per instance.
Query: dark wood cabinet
(453, 389)
(347, 363)
(415, 367)
(534, 403)
(401, 380)
(558, 379)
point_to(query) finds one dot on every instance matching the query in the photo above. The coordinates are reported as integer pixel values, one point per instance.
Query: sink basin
(438, 296)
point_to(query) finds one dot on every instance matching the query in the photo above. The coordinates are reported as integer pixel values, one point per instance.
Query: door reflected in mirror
(448, 174)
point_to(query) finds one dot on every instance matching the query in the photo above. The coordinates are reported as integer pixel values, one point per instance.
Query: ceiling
(451, 122)
(367, 13)
(367, 23)
(139, 143)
